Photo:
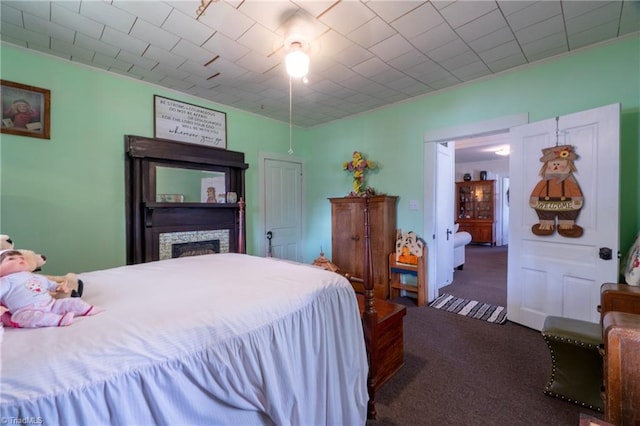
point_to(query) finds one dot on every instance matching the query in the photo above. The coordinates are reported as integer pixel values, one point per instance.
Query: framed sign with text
(183, 122)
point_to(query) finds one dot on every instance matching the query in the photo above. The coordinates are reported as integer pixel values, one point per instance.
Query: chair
(460, 241)
(575, 346)
(398, 266)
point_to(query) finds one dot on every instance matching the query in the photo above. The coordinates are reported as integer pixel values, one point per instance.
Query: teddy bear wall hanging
(557, 196)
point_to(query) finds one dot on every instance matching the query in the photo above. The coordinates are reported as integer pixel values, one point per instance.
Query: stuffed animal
(36, 261)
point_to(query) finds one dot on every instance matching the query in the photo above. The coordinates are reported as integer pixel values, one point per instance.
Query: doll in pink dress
(26, 296)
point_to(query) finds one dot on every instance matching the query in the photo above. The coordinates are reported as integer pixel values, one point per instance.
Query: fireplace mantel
(188, 216)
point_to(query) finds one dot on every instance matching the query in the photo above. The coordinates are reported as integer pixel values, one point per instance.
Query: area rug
(471, 308)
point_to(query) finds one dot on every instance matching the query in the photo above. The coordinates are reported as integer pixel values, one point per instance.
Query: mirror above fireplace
(177, 197)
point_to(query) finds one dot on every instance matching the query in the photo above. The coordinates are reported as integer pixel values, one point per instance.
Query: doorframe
(260, 239)
(464, 131)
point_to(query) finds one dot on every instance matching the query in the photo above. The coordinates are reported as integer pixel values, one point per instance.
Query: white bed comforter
(215, 339)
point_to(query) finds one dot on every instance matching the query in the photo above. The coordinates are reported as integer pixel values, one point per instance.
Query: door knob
(448, 233)
(605, 253)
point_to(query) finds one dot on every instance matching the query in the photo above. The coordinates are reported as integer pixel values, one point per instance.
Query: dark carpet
(461, 371)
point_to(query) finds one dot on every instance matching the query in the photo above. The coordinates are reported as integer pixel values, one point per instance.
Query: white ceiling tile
(31, 37)
(269, 13)
(508, 62)
(155, 13)
(434, 38)
(487, 24)
(508, 7)
(471, 71)
(10, 14)
(223, 17)
(346, 16)
(331, 43)
(198, 69)
(337, 73)
(352, 55)
(549, 43)
(408, 60)
(594, 18)
(257, 63)
(387, 76)
(573, 9)
(110, 62)
(391, 48)
(41, 9)
(372, 32)
(390, 42)
(499, 52)
(542, 29)
(107, 14)
(72, 5)
(222, 45)
(170, 71)
(66, 18)
(153, 35)
(36, 24)
(370, 67)
(262, 41)
(537, 12)
(184, 26)
(117, 38)
(492, 40)
(192, 52)
(461, 12)
(593, 34)
(630, 17)
(137, 60)
(449, 50)
(315, 7)
(418, 21)
(13, 40)
(71, 50)
(392, 10)
(164, 57)
(460, 61)
(95, 45)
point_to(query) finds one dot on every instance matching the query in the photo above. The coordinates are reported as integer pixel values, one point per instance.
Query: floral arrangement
(358, 165)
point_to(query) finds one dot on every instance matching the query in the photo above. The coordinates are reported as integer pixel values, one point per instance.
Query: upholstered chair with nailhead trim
(576, 362)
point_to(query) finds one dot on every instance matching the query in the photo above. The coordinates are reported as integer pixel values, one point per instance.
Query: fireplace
(181, 244)
(158, 228)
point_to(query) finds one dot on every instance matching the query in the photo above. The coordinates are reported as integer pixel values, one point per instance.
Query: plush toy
(36, 261)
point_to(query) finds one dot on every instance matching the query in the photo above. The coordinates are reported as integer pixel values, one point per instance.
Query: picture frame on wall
(25, 110)
(184, 122)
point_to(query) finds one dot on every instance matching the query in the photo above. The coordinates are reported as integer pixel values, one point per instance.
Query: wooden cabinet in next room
(347, 238)
(475, 210)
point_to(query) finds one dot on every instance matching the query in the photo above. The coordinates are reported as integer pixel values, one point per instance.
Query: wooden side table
(388, 353)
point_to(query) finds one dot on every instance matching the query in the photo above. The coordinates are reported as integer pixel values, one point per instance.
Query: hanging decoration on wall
(358, 165)
(557, 196)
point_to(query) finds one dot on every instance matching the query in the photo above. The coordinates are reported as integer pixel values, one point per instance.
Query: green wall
(65, 196)
(394, 136)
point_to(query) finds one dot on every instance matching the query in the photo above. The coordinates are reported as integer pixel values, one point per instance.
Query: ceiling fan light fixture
(297, 63)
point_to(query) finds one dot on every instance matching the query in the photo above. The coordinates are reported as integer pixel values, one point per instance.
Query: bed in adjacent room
(212, 339)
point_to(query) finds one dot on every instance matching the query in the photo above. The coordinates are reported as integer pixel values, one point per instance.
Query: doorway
(433, 224)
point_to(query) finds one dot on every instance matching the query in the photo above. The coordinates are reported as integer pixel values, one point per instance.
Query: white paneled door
(445, 189)
(283, 208)
(555, 274)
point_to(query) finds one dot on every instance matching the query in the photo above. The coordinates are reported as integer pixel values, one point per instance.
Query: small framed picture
(24, 110)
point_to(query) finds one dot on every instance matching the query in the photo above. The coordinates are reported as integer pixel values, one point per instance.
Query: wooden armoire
(347, 238)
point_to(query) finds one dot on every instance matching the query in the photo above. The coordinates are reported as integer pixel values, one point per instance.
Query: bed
(212, 339)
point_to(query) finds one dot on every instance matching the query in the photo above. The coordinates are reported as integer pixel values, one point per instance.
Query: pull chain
(557, 130)
(290, 119)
